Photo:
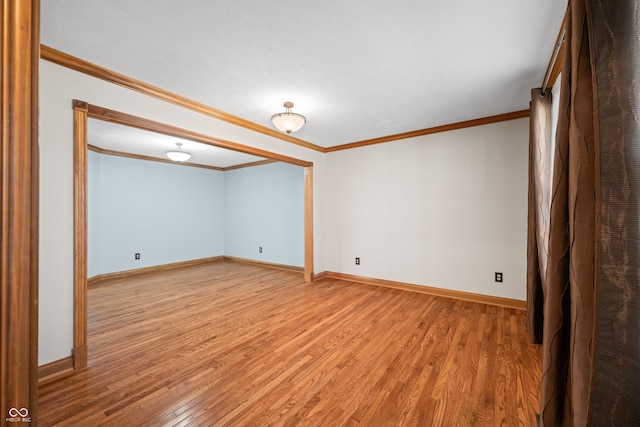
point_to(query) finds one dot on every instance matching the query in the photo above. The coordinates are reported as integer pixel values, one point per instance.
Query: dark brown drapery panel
(540, 158)
(571, 273)
(591, 311)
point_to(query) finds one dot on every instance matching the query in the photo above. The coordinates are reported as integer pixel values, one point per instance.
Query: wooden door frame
(82, 111)
(19, 166)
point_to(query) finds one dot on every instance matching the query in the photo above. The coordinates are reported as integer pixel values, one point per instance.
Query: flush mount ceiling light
(288, 121)
(178, 155)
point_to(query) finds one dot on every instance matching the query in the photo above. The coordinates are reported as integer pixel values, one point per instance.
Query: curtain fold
(569, 310)
(540, 158)
(590, 320)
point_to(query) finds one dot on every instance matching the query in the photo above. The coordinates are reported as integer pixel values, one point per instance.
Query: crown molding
(249, 165)
(77, 64)
(100, 150)
(57, 57)
(148, 158)
(437, 129)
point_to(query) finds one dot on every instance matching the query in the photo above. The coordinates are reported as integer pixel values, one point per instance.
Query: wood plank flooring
(243, 345)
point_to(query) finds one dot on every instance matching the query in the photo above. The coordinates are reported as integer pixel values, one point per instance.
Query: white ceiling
(357, 69)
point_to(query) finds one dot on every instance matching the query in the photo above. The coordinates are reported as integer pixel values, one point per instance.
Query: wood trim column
(308, 223)
(19, 204)
(80, 112)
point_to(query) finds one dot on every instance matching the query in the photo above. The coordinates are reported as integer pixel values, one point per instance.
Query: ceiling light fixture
(178, 155)
(288, 121)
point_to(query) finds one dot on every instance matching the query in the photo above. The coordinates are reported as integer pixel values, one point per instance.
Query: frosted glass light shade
(288, 121)
(178, 155)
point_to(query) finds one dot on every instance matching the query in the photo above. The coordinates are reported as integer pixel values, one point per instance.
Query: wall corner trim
(320, 276)
(437, 129)
(440, 292)
(55, 370)
(97, 280)
(264, 263)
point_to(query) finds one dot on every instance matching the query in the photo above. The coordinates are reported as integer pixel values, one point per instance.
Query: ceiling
(357, 69)
(125, 139)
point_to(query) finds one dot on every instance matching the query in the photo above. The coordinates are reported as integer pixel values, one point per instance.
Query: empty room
(320, 213)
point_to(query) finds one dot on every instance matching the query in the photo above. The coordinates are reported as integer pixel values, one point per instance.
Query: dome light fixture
(178, 155)
(288, 121)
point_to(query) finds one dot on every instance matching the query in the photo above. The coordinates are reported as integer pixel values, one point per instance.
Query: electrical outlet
(260, 249)
(498, 277)
(137, 255)
(357, 260)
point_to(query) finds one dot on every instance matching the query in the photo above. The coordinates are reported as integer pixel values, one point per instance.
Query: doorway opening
(82, 112)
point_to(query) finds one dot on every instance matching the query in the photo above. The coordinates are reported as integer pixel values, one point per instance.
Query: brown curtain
(590, 319)
(616, 382)
(540, 158)
(569, 295)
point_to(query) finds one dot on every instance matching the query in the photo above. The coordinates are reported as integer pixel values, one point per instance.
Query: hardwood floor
(235, 344)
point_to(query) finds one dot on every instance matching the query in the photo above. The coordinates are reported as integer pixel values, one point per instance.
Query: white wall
(446, 210)
(167, 213)
(264, 207)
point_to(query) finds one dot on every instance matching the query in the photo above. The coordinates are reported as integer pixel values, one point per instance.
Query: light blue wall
(93, 213)
(264, 207)
(168, 213)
